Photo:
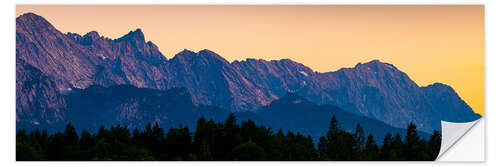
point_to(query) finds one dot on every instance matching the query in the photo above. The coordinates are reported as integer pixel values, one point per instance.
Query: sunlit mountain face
(63, 78)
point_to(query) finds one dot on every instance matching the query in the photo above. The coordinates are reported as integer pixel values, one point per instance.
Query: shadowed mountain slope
(374, 89)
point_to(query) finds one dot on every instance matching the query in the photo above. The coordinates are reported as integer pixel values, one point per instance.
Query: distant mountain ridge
(297, 114)
(134, 107)
(375, 89)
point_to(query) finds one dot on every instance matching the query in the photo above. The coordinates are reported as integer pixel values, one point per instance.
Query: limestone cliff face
(79, 61)
(71, 61)
(38, 102)
(379, 90)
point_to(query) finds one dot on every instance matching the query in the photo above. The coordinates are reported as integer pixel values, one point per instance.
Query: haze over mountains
(53, 68)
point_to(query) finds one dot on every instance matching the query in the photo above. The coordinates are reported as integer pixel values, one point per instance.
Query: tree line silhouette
(221, 141)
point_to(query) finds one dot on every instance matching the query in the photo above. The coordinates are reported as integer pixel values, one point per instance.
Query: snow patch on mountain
(303, 73)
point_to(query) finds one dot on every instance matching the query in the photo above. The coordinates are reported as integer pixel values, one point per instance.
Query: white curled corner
(452, 133)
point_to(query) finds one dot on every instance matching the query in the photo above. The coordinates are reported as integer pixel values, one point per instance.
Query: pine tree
(101, 133)
(434, 144)
(359, 138)
(313, 153)
(385, 151)
(342, 147)
(334, 125)
(148, 131)
(397, 147)
(231, 135)
(230, 121)
(370, 152)
(199, 135)
(157, 132)
(323, 148)
(280, 133)
(411, 142)
(70, 135)
(85, 139)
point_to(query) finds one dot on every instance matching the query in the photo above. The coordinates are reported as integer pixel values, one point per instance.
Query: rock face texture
(213, 81)
(135, 107)
(38, 102)
(297, 114)
(71, 62)
(75, 61)
(379, 90)
(274, 78)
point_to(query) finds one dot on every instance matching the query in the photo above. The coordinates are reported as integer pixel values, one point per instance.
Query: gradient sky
(440, 43)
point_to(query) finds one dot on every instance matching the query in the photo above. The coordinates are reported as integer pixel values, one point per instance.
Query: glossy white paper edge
(462, 141)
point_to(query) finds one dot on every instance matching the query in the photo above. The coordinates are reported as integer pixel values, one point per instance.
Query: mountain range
(54, 71)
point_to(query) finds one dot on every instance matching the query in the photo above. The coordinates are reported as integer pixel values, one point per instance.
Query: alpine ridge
(71, 62)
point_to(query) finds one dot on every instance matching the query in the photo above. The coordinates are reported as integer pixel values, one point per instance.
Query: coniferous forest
(221, 141)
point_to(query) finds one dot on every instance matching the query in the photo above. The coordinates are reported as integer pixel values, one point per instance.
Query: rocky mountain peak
(440, 87)
(86, 39)
(33, 21)
(304, 70)
(31, 17)
(186, 52)
(375, 72)
(204, 55)
(136, 35)
(375, 65)
(288, 61)
(208, 54)
(92, 35)
(184, 56)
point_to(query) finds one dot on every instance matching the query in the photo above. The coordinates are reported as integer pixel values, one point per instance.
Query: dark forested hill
(134, 107)
(297, 114)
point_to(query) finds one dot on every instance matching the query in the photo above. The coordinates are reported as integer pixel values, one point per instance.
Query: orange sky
(430, 43)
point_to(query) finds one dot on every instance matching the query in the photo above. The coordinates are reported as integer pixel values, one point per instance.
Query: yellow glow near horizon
(439, 43)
